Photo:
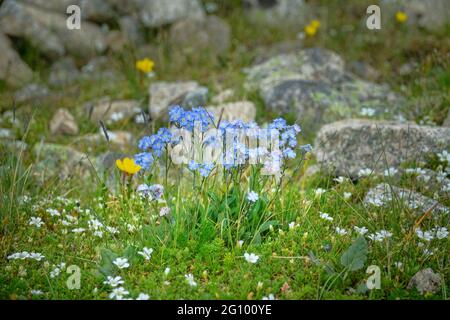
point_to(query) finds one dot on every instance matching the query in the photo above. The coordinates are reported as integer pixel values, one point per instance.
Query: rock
(364, 70)
(384, 193)
(99, 69)
(314, 84)
(241, 110)
(223, 96)
(407, 68)
(156, 13)
(63, 123)
(265, 53)
(112, 111)
(274, 12)
(48, 31)
(346, 146)
(59, 160)
(447, 120)
(196, 98)
(32, 92)
(131, 29)
(122, 139)
(93, 10)
(63, 72)
(116, 41)
(431, 15)
(165, 94)
(194, 35)
(425, 281)
(13, 70)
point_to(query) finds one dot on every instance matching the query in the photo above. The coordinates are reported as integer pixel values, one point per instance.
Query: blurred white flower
(121, 263)
(251, 258)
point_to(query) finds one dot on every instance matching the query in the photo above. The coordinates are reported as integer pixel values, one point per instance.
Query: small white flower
(53, 212)
(166, 271)
(368, 112)
(325, 216)
(94, 224)
(241, 242)
(398, 265)
(292, 225)
(98, 233)
(190, 280)
(390, 172)
(441, 233)
(364, 172)
(379, 236)
(426, 236)
(121, 263)
(55, 272)
(36, 256)
(270, 297)
(319, 191)
(131, 228)
(143, 296)
(339, 179)
(78, 230)
(165, 211)
(146, 253)
(251, 258)
(341, 231)
(347, 195)
(118, 293)
(114, 281)
(36, 292)
(252, 196)
(112, 230)
(36, 221)
(361, 231)
(444, 156)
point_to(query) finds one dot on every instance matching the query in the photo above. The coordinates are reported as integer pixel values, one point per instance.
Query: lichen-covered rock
(132, 31)
(63, 122)
(121, 139)
(192, 35)
(277, 11)
(347, 146)
(314, 84)
(13, 70)
(58, 160)
(110, 111)
(425, 281)
(384, 194)
(48, 31)
(165, 94)
(241, 110)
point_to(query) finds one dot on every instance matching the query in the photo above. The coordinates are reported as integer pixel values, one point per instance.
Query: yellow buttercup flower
(310, 30)
(401, 17)
(128, 166)
(315, 23)
(145, 65)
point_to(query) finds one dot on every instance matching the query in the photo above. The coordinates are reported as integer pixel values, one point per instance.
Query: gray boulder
(425, 281)
(345, 147)
(192, 35)
(110, 111)
(58, 160)
(13, 70)
(314, 84)
(63, 72)
(275, 12)
(33, 92)
(241, 110)
(48, 31)
(165, 94)
(156, 13)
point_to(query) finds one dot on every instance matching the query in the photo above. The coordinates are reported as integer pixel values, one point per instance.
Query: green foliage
(355, 256)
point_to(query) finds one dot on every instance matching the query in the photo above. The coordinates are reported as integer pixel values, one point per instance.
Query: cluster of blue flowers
(236, 154)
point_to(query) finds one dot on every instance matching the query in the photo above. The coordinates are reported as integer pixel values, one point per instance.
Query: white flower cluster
(379, 236)
(26, 255)
(435, 233)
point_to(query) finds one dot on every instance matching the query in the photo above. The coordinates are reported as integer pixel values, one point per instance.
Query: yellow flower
(401, 17)
(310, 30)
(145, 65)
(128, 166)
(315, 23)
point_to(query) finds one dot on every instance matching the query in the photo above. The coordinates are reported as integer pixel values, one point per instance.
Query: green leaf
(356, 255)
(107, 267)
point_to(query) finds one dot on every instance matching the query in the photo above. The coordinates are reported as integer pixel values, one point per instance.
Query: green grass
(208, 219)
